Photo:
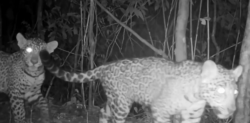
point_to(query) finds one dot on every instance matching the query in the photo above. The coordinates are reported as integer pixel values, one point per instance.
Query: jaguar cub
(22, 75)
(165, 86)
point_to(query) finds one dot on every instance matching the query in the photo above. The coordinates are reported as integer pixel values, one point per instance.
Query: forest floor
(73, 112)
(67, 113)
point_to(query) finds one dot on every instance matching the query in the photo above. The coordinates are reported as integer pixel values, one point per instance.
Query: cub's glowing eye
(236, 92)
(221, 90)
(29, 49)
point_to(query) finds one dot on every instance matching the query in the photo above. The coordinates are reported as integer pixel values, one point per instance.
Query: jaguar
(22, 74)
(165, 86)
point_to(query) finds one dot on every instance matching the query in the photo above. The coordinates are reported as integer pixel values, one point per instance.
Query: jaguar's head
(219, 88)
(30, 49)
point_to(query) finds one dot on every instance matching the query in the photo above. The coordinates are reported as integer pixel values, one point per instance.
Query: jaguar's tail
(49, 63)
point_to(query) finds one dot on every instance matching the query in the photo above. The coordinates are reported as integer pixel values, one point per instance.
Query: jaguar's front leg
(34, 96)
(43, 106)
(17, 108)
(193, 113)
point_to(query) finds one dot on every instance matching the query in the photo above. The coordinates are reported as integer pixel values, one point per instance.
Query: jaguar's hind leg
(105, 114)
(115, 111)
(120, 108)
(159, 117)
(160, 112)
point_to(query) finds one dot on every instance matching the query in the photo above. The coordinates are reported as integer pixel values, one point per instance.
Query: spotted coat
(22, 75)
(165, 86)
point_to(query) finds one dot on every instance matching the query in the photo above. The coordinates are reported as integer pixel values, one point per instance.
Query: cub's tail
(49, 63)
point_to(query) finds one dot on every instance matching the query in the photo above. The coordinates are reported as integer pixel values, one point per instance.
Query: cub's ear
(209, 71)
(21, 41)
(51, 46)
(238, 71)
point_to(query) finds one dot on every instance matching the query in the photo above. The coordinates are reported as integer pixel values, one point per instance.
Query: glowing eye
(221, 90)
(236, 92)
(29, 49)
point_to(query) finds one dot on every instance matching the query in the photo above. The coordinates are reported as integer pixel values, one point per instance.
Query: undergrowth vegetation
(153, 21)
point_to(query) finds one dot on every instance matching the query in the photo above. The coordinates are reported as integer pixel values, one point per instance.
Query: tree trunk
(242, 112)
(1, 22)
(180, 31)
(180, 38)
(40, 31)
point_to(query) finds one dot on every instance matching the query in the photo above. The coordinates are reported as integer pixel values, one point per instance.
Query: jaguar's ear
(238, 71)
(21, 41)
(51, 46)
(209, 71)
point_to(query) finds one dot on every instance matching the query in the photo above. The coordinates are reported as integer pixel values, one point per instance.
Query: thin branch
(160, 52)
(237, 40)
(149, 33)
(197, 29)
(191, 30)
(213, 33)
(92, 45)
(208, 30)
(166, 28)
(225, 49)
(174, 26)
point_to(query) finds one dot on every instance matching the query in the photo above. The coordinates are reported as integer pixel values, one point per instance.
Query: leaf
(132, 24)
(203, 21)
(104, 3)
(51, 25)
(52, 38)
(149, 2)
(204, 47)
(143, 9)
(128, 10)
(138, 13)
(51, 35)
(64, 34)
(110, 19)
(157, 6)
(234, 2)
(75, 31)
(167, 4)
(122, 10)
(71, 14)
